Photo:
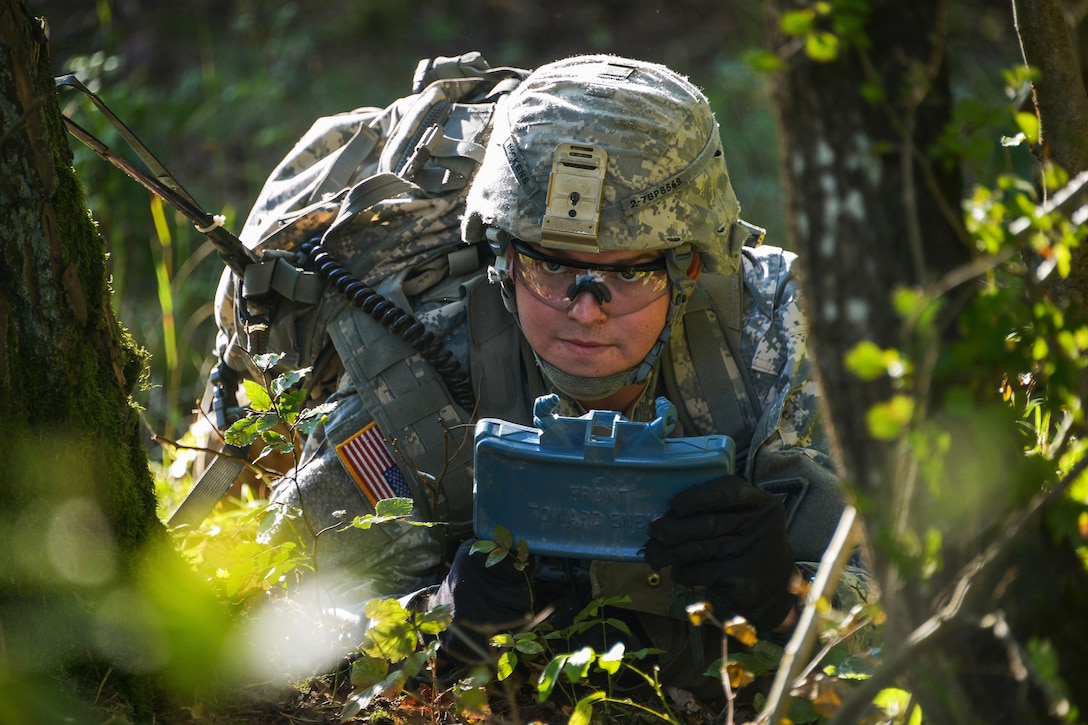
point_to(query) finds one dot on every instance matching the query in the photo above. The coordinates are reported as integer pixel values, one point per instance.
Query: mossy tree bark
(77, 505)
(870, 212)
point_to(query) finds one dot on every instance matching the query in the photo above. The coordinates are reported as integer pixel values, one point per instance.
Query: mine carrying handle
(156, 179)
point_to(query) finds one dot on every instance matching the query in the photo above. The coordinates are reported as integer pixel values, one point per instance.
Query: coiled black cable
(317, 258)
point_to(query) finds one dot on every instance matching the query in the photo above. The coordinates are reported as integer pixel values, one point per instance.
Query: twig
(804, 635)
(931, 631)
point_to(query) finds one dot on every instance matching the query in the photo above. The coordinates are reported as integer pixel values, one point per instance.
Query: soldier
(625, 274)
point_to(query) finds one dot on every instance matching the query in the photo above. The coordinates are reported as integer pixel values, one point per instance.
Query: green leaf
(391, 639)
(894, 703)
(470, 700)
(508, 660)
(550, 677)
(368, 671)
(382, 610)
(751, 663)
(619, 624)
(242, 432)
(763, 61)
(393, 507)
(529, 647)
(583, 711)
(503, 537)
(611, 660)
(797, 22)
(1028, 123)
(482, 545)
(496, 556)
(259, 398)
(288, 380)
(578, 663)
(434, 620)
(273, 437)
(867, 360)
(769, 653)
(267, 361)
(822, 47)
(888, 420)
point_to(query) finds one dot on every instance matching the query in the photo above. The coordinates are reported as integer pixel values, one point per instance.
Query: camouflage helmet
(599, 153)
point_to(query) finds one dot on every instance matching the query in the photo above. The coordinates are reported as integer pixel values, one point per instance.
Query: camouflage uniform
(781, 448)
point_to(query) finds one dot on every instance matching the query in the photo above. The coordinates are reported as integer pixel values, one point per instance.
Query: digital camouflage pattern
(319, 190)
(666, 183)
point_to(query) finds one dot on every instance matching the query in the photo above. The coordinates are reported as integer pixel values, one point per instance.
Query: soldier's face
(582, 337)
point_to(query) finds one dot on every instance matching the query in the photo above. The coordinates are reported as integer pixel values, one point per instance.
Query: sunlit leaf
(577, 665)
(867, 360)
(611, 660)
(508, 660)
(797, 22)
(894, 702)
(583, 711)
(698, 612)
(435, 620)
(822, 47)
(741, 630)
(549, 678)
(287, 380)
(888, 420)
(739, 675)
(368, 671)
(259, 399)
(267, 361)
(1028, 123)
(393, 507)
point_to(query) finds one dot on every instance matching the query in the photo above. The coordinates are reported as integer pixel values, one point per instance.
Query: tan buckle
(575, 192)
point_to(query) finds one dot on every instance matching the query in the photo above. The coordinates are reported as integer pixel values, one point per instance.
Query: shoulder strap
(414, 411)
(707, 369)
(498, 356)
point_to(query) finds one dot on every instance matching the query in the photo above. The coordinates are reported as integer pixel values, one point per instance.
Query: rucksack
(363, 212)
(365, 197)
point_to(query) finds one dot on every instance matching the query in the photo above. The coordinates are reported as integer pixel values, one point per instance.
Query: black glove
(729, 537)
(485, 601)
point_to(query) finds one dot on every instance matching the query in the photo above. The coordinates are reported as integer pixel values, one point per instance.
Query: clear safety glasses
(618, 289)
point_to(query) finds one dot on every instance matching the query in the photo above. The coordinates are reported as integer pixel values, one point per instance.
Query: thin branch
(933, 629)
(804, 635)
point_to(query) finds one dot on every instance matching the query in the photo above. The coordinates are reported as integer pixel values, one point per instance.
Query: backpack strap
(413, 409)
(704, 372)
(499, 358)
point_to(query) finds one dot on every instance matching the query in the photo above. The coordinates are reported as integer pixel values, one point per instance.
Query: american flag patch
(370, 462)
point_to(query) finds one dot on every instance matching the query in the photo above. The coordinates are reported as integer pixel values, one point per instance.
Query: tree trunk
(865, 216)
(1061, 103)
(77, 505)
(869, 213)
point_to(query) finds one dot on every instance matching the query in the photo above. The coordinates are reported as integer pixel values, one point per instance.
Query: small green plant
(225, 548)
(278, 405)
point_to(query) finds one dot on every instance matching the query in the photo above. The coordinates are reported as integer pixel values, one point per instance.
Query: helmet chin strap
(583, 387)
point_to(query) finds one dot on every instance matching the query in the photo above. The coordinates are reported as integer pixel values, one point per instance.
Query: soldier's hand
(730, 538)
(485, 601)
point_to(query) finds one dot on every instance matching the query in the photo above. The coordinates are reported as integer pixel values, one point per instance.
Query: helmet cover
(665, 183)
